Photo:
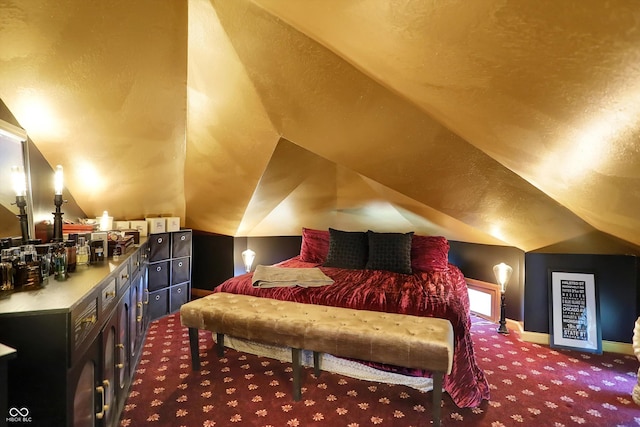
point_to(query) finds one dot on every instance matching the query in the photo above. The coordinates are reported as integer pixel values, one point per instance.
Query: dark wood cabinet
(107, 380)
(77, 343)
(123, 356)
(6, 355)
(138, 308)
(83, 402)
(169, 271)
(116, 361)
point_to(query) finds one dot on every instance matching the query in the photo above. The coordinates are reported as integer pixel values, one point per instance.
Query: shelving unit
(169, 271)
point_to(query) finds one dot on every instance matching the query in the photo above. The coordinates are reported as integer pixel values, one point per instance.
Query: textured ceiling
(495, 122)
(100, 89)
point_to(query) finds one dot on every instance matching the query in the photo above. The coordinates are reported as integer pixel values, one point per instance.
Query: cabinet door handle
(139, 316)
(179, 290)
(125, 276)
(91, 319)
(146, 293)
(120, 347)
(100, 389)
(110, 294)
(105, 407)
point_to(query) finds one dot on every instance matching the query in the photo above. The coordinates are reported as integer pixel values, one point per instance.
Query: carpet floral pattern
(530, 385)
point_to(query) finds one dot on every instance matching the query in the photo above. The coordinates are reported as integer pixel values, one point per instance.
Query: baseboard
(515, 325)
(544, 339)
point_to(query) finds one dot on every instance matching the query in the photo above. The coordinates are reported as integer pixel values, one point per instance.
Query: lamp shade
(247, 258)
(502, 272)
(106, 222)
(58, 180)
(18, 181)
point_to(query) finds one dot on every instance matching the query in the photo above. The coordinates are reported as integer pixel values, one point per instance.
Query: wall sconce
(502, 272)
(18, 180)
(58, 185)
(247, 258)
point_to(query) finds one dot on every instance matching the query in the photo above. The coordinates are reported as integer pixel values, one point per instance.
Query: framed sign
(574, 313)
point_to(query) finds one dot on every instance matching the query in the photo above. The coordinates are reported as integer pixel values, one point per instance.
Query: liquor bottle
(97, 251)
(60, 262)
(44, 256)
(6, 272)
(82, 255)
(33, 276)
(70, 249)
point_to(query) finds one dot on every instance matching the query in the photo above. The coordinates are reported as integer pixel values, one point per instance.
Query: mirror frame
(20, 135)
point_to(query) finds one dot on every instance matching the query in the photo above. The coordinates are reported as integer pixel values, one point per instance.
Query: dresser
(169, 271)
(6, 355)
(78, 342)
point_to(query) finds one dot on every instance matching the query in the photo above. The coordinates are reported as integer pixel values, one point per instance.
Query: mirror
(13, 152)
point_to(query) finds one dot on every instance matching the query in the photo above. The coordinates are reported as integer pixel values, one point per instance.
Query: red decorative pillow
(429, 253)
(315, 245)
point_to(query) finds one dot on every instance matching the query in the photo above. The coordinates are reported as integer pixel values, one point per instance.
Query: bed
(390, 272)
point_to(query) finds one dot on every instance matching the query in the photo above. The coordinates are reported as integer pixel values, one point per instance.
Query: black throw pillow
(390, 251)
(347, 249)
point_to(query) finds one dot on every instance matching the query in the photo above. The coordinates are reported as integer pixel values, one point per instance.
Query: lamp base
(21, 202)
(503, 323)
(57, 218)
(502, 329)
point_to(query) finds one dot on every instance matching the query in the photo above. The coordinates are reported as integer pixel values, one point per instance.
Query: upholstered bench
(395, 339)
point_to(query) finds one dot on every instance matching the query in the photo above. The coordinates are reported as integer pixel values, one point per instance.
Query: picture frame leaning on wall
(574, 311)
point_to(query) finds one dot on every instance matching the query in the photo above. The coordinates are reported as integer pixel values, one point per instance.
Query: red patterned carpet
(530, 385)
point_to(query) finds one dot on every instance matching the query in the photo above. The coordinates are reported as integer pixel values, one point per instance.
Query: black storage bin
(180, 270)
(179, 296)
(159, 247)
(159, 303)
(181, 244)
(158, 275)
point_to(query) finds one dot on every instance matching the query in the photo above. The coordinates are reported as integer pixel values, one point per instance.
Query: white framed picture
(574, 312)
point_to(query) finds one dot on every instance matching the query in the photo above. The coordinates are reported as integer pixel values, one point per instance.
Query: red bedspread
(435, 294)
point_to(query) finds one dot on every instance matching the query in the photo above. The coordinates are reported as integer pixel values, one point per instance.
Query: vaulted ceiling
(494, 122)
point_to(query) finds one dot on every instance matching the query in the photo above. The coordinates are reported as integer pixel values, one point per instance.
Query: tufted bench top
(396, 339)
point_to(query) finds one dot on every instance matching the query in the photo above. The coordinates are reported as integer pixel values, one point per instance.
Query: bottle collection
(30, 266)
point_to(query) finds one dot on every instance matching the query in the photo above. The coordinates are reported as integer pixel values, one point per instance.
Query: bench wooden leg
(437, 397)
(195, 349)
(297, 368)
(220, 344)
(316, 363)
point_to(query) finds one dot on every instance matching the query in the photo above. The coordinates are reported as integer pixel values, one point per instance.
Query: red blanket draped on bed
(435, 294)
